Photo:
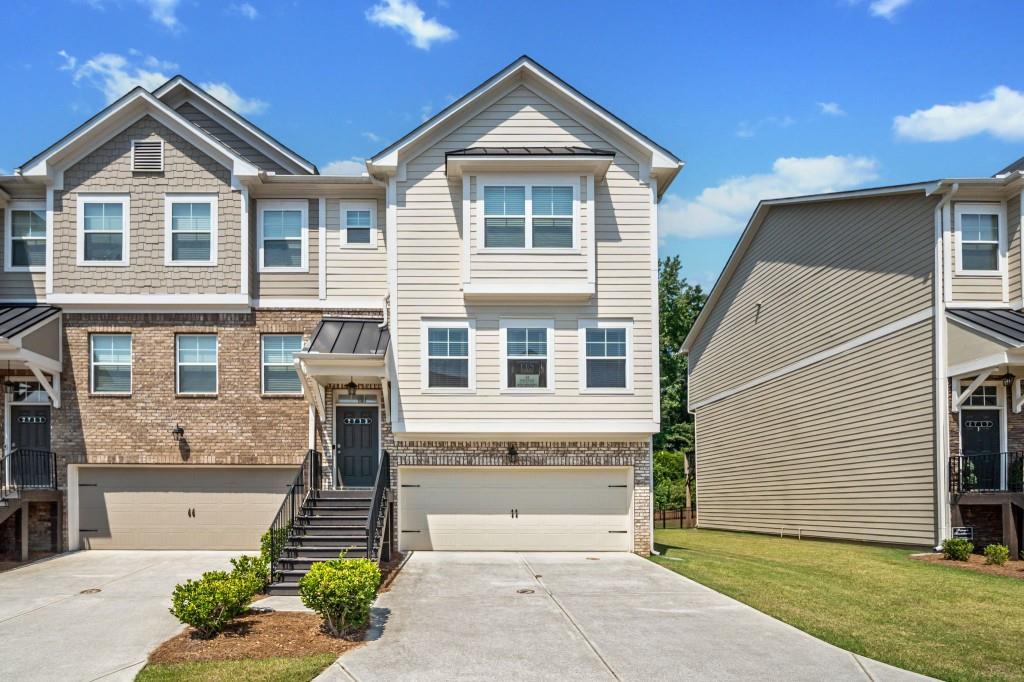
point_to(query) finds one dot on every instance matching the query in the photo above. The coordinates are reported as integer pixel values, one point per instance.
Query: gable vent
(148, 156)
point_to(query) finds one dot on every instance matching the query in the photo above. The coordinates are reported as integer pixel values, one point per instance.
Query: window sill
(483, 251)
(30, 268)
(980, 273)
(196, 395)
(526, 391)
(95, 394)
(191, 264)
(448, 391)
(606, 391)
(272, 270)
(102, 263)
(360, 247)
(278, 396)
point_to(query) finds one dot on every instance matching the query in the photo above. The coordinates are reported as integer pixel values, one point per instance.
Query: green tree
(679, 303)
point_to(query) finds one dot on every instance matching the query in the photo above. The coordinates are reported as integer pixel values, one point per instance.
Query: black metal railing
(987, 472)
(25, 468)
(307, 481)
(377, 517)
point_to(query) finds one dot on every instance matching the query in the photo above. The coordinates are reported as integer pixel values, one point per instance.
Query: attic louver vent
(147, 156)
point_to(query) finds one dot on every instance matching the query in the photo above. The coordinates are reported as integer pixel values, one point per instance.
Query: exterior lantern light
(1008, 380)
(351, 387)
(178, 432)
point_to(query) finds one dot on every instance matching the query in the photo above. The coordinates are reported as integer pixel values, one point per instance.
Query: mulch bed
(976, 562)
(258, 635)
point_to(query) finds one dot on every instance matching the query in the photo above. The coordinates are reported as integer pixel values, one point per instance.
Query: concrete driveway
(500, 616)
(50, 630)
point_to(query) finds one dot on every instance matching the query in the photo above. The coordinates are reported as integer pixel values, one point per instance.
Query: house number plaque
(31, 420)
(356, 420)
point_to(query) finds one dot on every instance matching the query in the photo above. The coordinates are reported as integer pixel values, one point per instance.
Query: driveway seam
(860, 665)
(568, 617)
(117, 670)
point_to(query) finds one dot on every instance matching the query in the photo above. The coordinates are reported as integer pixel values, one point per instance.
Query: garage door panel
(582, 509)
(149, 507)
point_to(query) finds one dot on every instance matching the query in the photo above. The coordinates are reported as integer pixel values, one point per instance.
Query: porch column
(1010, 530)
(23, 513)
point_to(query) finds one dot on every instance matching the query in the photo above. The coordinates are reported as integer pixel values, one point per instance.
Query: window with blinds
(504, 217)
(191, 230)
(528, 216)
(148, 156)
(27, 245)
(279, 375)
(110, 363)
(448, 357)
(197, 363)
(606, 360)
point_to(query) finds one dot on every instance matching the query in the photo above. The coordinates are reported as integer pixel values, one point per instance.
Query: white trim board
(863, 339)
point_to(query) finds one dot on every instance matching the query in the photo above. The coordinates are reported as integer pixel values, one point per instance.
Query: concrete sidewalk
(558, 616)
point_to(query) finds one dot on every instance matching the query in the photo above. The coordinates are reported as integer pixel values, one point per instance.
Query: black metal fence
(987, 472)
(675, 517)
(28, 469)
(377, 518)
(308, 479)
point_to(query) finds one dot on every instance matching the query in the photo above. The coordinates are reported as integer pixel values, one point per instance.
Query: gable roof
(114, 118)
(664, 164)
(180, 89)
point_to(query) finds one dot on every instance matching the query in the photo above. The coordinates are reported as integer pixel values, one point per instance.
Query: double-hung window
(359, 224)
(190, 230)
(448, 353)
(527, 356)
(103, 229)
(196, 363)
(283, 236)
(26, 236)
(110, 363)
(981, 238)
(606, 356)
(529, 216)
(279, 375)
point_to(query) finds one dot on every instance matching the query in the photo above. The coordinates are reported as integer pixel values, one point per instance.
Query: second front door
(357, 445)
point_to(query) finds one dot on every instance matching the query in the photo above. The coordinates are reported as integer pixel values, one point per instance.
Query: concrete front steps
(331, 522)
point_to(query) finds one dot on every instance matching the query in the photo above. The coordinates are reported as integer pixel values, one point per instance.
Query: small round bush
(252, 571)
(341, 591)
(211, 602)
(997, 555)
(957, 549)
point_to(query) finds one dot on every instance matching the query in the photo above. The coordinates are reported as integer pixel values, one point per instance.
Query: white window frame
(982, 209)
(370, 206)
(126, 219)
(131, 364)
(263, 365)
(426, 324)
(283, 205)
(169, 201)
(584, 325)
(22, 205)
(178, 364)
(528, 181)
(515, 323)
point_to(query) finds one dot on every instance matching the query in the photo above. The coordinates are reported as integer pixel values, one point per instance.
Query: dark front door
(980, 444)
(30, 442)
(357, 445)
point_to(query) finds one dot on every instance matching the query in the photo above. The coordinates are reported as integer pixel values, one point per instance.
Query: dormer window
(529, 215)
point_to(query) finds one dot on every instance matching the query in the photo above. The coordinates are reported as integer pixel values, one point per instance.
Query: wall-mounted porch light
(1008, 379)
(351, 388)
(178, 432)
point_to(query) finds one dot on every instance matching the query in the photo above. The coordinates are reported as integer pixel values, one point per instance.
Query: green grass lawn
(300, 669)
(945, 622)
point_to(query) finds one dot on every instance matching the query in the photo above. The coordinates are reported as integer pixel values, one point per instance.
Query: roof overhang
(596, 165)
(137, 103)
(30, 338)
(659, 163)
(180, 89)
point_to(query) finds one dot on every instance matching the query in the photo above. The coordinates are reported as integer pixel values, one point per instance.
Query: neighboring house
(857, 370)
(188, 307)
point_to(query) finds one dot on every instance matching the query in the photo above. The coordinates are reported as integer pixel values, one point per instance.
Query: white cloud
(1000, 115)
(164, 12)
(246, 10)
(747, 129)
(352, 166)
(113, 74)
(226, 94)
(725, 208)
(70, 62)
(405, 15)
(831, 109)
(372, 137)
(887, 8)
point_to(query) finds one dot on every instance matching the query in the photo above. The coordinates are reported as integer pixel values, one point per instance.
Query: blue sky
(761, 99)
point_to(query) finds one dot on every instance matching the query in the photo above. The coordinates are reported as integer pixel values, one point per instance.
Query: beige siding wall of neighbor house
(815, 275)
(18, 286)
(842, 449)
(304, 284)
(107, 170)
(429, 275)
(1013, 225)
(975, 288)
(355, 271)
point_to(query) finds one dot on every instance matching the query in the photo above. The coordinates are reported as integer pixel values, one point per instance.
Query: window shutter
(148, 156)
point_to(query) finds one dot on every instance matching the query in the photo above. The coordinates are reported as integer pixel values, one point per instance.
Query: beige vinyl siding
(966, 345)
(1014, 263)
(814, 276)
(218, 131)
(108, 170)
(291, 284)
(526, 266)
(842, 449)
(429, 254)
(355, 271)
(18, 286)
(974, 288)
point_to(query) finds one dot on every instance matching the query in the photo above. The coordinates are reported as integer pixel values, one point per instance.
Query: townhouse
(189, 311)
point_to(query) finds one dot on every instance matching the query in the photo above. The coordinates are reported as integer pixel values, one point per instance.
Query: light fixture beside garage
(178, 432)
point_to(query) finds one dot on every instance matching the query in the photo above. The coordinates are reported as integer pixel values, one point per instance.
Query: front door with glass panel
(357, 445)
(30, 438)
(980, 443)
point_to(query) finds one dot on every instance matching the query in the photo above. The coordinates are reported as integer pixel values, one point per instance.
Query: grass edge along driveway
(292, 669)
(944, 622)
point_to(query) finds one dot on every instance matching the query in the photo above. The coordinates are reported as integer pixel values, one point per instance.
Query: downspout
(941, 394)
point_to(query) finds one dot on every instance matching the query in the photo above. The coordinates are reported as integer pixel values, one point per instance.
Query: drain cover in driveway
(524, 591)
(91, 590)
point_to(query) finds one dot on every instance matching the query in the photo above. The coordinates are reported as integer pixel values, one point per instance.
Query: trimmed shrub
(279, 538)
(211, 602)
(341, 591)
(997, 555)
(252, 571)
(957, 549)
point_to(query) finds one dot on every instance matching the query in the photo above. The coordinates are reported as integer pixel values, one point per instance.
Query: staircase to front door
(319, 525)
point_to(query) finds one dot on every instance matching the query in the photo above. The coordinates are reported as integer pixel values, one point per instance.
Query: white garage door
(178, 507)
(515, 508)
